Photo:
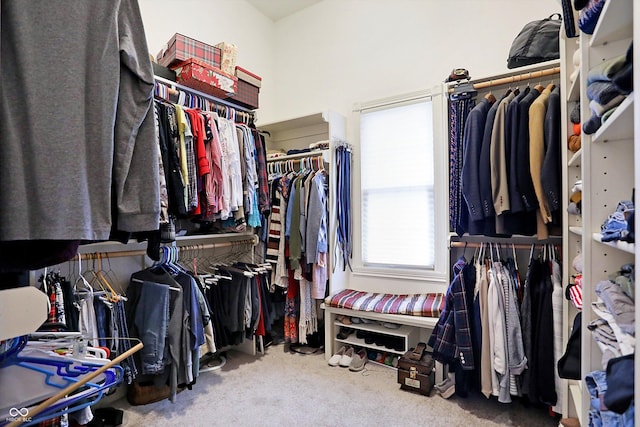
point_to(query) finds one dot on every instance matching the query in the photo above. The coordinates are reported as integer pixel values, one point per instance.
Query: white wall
(338, 52)
(341, 52)
(214, 21)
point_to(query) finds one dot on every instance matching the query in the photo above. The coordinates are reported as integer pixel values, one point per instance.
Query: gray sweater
(78, 150)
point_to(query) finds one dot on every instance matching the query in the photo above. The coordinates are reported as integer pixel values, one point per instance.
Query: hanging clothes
(459, 107)
(451, 337)
(108, 127)
(517, 220)
(499, 179)
(552, 166)
(558, 329)
(210, 164)
(494, 174)
(343, 204)
(473, 135)
(537, 146)
(538, 382)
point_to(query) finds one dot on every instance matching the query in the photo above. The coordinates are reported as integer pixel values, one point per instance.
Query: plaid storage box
(248, 92)
(249, 77)
(229, 57)
(205, 78)
(180, 48)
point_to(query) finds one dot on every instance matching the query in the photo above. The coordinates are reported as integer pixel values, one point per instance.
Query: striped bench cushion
(425, 305)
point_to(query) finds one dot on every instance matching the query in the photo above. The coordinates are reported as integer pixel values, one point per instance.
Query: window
(397, 186)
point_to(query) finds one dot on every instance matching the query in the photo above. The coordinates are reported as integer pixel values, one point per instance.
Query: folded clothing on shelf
(589, 15)
(616, 227)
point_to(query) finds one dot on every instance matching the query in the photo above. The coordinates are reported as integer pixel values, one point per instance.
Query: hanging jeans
(597, 385)
(151, 319)
(129, 366)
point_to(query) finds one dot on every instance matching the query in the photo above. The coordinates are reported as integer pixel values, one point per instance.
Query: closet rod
(298, 156)
(516, 78)
(474, 245)
(205, 246)
(177, 86)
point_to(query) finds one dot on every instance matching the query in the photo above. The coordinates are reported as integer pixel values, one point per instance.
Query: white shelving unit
(408, 334)
(607, 165)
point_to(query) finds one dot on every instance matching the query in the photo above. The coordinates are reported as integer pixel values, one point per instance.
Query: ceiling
(278, 9)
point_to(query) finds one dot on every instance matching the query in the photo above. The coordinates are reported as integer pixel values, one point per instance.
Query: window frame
(439, 274)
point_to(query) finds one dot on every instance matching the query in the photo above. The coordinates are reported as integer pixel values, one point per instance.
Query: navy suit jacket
(518, 220)
(473, 135)
(511, 133)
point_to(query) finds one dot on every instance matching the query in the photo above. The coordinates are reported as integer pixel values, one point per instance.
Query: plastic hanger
(44, 407)
(84, 394)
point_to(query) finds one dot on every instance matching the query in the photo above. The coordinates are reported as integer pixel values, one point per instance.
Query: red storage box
(248, 91)
(205, 78)
(180, 48)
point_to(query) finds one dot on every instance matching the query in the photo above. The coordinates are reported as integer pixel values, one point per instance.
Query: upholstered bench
(420, 305)
(414, 312)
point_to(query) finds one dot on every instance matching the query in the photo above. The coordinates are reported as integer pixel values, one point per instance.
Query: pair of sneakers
(446, 388)
(347, 357)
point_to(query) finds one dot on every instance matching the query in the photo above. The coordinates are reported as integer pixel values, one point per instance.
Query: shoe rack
(375, 336)
(607, 164)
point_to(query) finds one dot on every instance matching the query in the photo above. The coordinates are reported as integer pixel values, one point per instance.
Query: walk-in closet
(318, 213)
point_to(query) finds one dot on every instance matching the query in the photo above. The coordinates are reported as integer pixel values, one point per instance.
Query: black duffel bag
(538, 41)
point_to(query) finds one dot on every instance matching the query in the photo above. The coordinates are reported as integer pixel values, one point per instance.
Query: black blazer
(551, 168)
(524, 184)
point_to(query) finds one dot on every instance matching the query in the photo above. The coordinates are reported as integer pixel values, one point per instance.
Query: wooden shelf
(574, 91)
(620, 245)
(575, 389)
(326, 154)
(406, 333)
(619, 126)
(402, 331)
(22, 311)
(576, 159)
(615, 23)
(220, 236)
(576, 230)
(297, 122)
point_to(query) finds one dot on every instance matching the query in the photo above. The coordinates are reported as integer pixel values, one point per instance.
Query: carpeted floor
(281, 388)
